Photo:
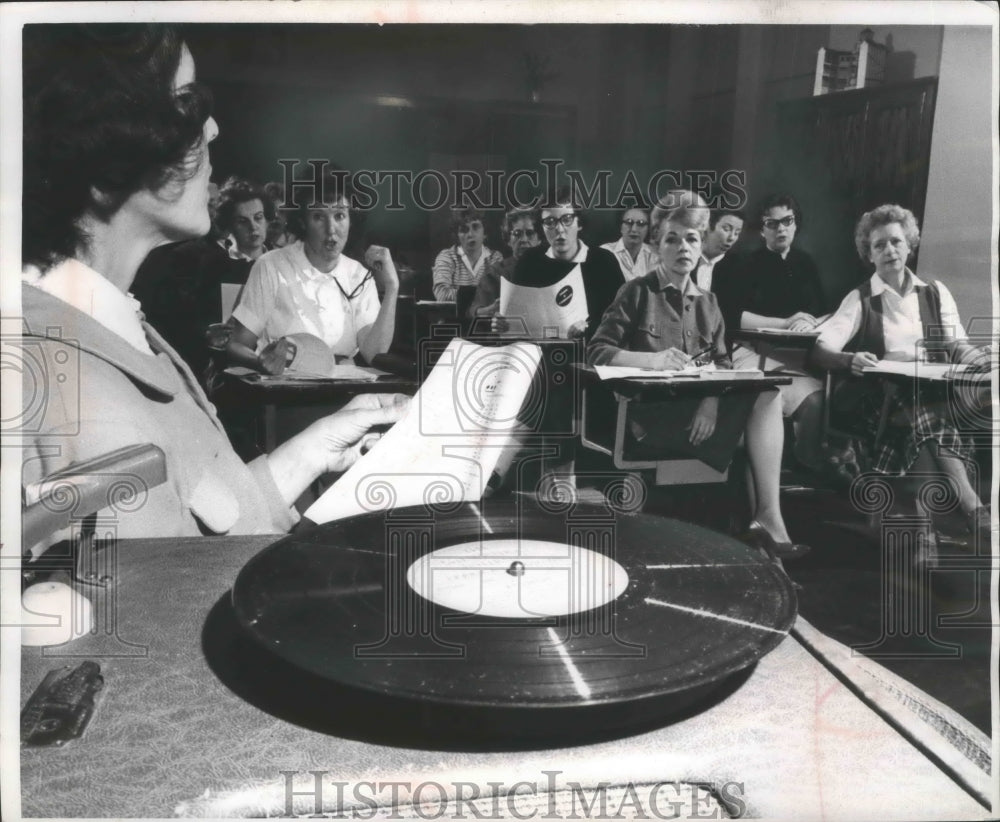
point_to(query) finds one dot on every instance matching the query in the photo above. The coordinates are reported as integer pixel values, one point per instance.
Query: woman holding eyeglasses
(519, 232)
(663, 321)
(312, 288)
(635, 256)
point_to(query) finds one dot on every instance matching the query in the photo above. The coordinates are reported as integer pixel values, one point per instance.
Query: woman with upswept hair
(663, 321)
(896, 315)
(116, 163)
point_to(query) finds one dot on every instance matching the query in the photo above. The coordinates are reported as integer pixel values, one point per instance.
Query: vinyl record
(513, 608)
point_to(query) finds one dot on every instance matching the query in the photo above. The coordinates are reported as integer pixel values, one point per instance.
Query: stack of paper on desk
(617, 372)
(448, 443)
(353, 373)
(923, 370)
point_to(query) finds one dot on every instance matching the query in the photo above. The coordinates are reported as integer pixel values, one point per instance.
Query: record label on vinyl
(517, 579)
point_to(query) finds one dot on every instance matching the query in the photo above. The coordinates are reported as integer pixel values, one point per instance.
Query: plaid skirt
(857, 407)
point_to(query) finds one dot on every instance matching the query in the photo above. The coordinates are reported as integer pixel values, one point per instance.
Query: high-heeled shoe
(758, 536)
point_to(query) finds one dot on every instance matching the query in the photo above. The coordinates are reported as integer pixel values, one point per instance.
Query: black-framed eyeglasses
(785, 221)
(640, 223)
(357, 290)
(519, 233)
(566, 221)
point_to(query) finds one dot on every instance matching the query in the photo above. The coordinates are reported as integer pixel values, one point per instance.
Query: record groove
(697, 608)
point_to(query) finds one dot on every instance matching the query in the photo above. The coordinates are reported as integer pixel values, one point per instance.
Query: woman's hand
(801, 321)
(862, 360)
(276, 357)
(577, 330)
(379, 260)
(489, 310)
(671, 359)
(333, 443)
(702, 424)
(343, 436)
(499, 324)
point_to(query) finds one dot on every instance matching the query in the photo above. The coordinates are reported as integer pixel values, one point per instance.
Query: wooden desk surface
(783, 339)
(657, 388)
(276, 391)
(195, 719)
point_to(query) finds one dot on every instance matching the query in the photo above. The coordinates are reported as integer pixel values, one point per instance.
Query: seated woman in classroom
(896, 315)
(635, 256)
(663, 321)
(520, 232)
(310, 290)
(777, 286)
(89, 220)
(565, 272)
(464, 262)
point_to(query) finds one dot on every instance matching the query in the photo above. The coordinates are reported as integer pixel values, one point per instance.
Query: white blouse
(901, 323)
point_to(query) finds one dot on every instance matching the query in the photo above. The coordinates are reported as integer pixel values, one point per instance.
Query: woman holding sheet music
(663, 321)
(116, 163)
(895, 315)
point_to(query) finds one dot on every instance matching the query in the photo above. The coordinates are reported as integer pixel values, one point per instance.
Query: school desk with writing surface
(272, 397)
(607, 403)
(774, 342)
(195, 719)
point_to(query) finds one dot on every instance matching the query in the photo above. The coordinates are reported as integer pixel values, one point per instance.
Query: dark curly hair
(101, 114)
(463, 216)
(236, 190)
(778, 201)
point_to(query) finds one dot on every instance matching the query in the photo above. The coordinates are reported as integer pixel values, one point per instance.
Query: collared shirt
(641, 318)
(901, 323)
(83, 288)
(230, 246)
(579, 257)
(452, 270)
(285, 294)
(644, 262)
(703, 274)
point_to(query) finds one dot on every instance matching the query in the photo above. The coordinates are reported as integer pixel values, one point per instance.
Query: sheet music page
(448, 443)
(914, 368)
(617, 372)
(547, 312)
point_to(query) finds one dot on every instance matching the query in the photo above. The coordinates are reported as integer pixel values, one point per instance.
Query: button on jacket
(641, 318)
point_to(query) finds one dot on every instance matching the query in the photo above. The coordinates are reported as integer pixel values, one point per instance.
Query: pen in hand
(695, 357)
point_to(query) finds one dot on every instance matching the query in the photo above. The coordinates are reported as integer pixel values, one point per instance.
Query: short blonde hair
(884, 215)
(681, 206)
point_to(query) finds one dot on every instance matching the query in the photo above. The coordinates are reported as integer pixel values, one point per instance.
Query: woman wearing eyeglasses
(778, 286)
(664, 321)
(520, 233)
(541, 267)
(635, 256)
(312, 288)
